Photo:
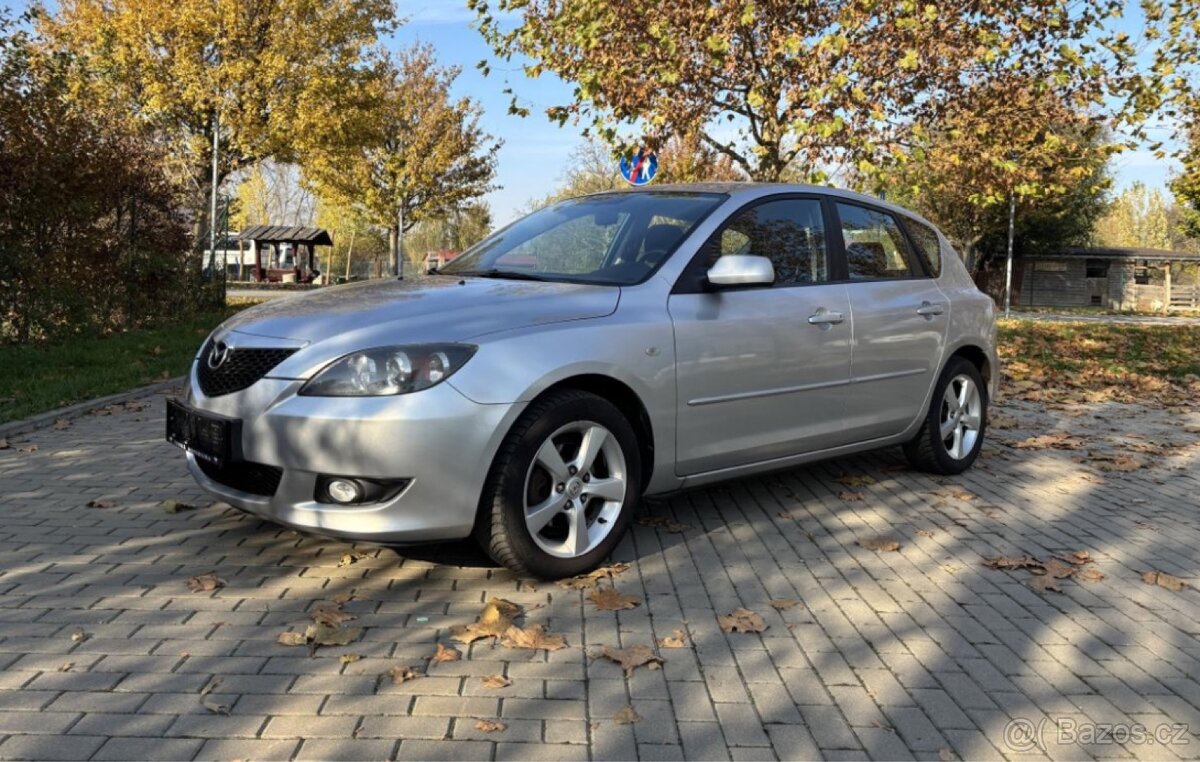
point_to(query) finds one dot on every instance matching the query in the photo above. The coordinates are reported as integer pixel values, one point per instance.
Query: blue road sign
(641, 168)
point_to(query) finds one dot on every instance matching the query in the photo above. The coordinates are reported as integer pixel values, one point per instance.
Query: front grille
(243, 476)
(241, 368)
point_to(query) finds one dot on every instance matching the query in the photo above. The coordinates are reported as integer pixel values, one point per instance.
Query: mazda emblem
(218, 355)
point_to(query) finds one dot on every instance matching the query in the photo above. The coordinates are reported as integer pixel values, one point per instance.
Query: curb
(80, 409)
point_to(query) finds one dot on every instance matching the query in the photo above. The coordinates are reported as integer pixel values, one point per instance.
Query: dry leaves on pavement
(101, 503)
(850, 497)
(496, 681)
(401, 675)
(495, 620)
(855, 480)
(445, 654)
(212, 706)
(626, 716)
(78, 635)
(205, 583)
(1164, 580)
(491, 726)
(534, 638)
(4, 445)
(1047, 574)
(61, 424)
(348, 658)
(1057, 441)
(331, 614)
(350, 558)
(742, 620)
(292, 638)
(1012, 562)
(608, 599)
(631, 658)
(677, 639)
(589, 580)
(1119, 463)
(783, 604)
(880, 544)
(174, 506)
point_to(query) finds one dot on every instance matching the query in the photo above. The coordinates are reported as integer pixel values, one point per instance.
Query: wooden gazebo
(302, 240)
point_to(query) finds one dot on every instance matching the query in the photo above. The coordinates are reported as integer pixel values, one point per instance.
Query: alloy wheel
(575, 489)
(962, 416)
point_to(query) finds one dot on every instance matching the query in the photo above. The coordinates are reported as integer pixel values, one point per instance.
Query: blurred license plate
(210, 437)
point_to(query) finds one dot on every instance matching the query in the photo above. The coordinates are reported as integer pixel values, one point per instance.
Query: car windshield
(613, 238)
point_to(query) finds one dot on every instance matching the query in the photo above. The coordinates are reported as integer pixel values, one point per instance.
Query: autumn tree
(457, 230)
(259, 74)
(359, 246)
(1012, 140)
(789, 88)
(417, 153)
(1138, 217)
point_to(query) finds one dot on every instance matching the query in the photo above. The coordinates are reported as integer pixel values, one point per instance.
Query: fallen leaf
(855, 480)
(348, 658)
(741, 620)
(1089, 574)
(954, 493)
(1044, 582)
(945, 755)
(66, 666)
(343, 598)
(495, 619)
(205, 583)
(674, 527)
(1117, 463)
(850, 497)
(214, 707)
(1057, 441)
(101, 503)
(350, 558)
(626, 716)
(292, 638)
(401, 675)
(445, 654)
(78, 635)
(331, 614)
(61, 424)
(1056, 569)
(783, 604)
(324, 635)
(174, 506)
(1001, 421)
(496, 681)
(28, 449)
(925, 533)
(631, 658)
(490, 726)
(4, 445)
(677, 639)
(1010, 562)
(534, 638)
(880, 544)
(589, 580)
(608, 599)
(1162, 579)
(1077, 557)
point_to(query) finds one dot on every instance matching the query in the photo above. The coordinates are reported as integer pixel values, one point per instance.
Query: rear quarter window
(929, 247)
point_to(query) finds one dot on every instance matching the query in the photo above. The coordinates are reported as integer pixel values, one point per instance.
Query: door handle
(825, 317)
(929, 309)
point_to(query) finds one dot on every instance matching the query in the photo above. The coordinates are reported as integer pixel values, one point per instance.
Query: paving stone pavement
(918, 653)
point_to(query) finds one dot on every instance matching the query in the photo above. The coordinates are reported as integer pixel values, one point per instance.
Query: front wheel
(563, 487)
(952, 436)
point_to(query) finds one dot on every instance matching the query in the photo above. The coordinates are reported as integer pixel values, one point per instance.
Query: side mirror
(741, 270)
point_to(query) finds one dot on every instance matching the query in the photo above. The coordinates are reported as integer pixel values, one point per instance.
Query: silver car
(594, 352)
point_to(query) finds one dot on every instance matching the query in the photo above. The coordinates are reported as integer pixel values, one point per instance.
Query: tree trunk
(394, 248)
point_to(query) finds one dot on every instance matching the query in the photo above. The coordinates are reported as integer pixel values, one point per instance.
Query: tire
(527, 487)
(932, 451)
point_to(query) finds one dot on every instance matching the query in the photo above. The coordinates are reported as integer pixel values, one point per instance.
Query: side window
(789, 232)
(929, 248)
(875, 245)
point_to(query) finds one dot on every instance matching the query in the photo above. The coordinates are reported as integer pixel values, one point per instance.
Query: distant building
(1109, 278)
(435, 259)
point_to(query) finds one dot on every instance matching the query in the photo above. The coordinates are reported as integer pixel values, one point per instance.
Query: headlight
(389, 370)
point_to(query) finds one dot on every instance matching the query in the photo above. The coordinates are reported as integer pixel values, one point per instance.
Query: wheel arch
(626, 400)
(978, 357)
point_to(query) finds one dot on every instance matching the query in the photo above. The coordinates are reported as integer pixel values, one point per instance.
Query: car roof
(748, 191)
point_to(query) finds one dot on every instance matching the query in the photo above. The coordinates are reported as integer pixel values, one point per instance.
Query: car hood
(440, 308)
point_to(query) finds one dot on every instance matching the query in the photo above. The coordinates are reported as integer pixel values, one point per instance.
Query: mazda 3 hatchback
(602, 349)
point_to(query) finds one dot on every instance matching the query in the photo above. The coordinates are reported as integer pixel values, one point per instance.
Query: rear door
(761, 371)
(900, 318)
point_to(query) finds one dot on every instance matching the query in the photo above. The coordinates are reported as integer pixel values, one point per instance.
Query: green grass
(40, 378)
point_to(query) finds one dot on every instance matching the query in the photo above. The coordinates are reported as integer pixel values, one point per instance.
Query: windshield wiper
(495, 272)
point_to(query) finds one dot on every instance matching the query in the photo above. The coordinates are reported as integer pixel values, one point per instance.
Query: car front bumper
(439, 440)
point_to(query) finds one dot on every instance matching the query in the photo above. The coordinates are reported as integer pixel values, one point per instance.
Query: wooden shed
(291, 251)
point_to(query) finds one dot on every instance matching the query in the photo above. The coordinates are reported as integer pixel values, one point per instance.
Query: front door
(900, 318)
(762, 371)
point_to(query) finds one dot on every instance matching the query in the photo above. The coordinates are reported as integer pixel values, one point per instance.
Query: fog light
(343, 491)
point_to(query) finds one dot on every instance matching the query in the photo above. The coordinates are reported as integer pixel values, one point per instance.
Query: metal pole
(400, 244)
(1012, 215)
(212, 214)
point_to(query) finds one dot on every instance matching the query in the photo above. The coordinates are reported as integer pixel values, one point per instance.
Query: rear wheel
(951, 437)
(563, 487)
